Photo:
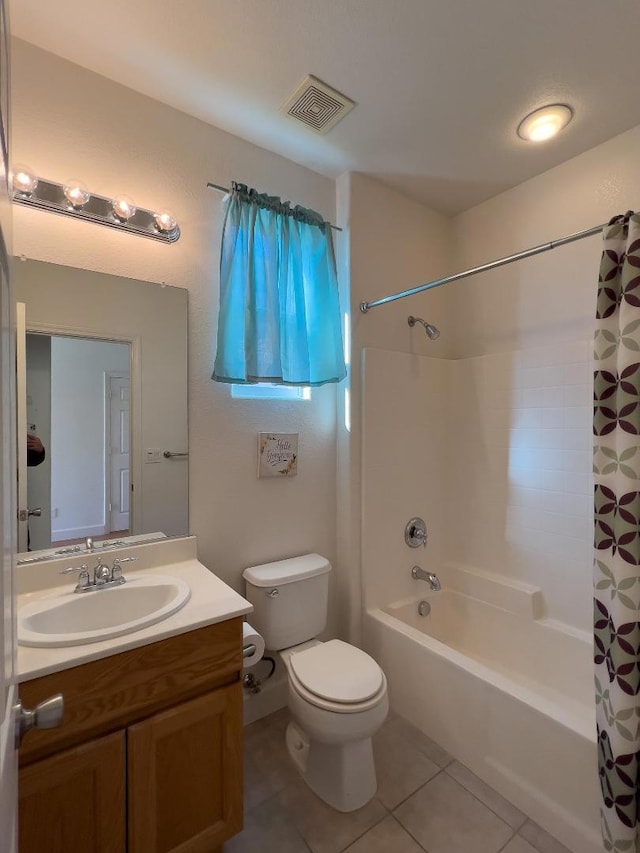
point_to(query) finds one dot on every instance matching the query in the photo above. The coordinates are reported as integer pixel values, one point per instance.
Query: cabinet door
(185, 776)
(75, 801)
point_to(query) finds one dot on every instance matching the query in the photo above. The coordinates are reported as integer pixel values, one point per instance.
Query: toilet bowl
(337, 693)
(337, 700)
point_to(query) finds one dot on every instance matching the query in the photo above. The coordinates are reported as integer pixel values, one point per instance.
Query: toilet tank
(289, 598)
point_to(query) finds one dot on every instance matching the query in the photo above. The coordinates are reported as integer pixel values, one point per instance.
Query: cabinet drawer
(111, 693)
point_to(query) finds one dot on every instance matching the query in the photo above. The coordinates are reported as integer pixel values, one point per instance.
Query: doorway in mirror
(89, 446)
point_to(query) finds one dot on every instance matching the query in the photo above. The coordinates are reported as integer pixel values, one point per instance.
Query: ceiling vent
(317, 105)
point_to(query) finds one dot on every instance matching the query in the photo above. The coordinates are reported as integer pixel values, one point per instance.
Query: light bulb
(76, 193)
(544, 123)
(165, 221)
(24, 180)
(123, 208)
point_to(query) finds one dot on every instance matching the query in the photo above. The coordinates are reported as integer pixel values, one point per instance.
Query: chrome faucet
(430, 577)
(103, 576)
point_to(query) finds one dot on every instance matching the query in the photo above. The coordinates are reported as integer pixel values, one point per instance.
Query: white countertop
(211, 601)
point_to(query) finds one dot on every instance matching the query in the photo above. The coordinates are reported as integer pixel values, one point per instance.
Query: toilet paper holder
(248, 650)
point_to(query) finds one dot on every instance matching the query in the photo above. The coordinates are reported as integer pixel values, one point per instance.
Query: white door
(21, 411)
(8, 509)
(118, 463)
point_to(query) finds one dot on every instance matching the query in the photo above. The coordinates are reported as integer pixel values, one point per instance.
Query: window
(266, 391)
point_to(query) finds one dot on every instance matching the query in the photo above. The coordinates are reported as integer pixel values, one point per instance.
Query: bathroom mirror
(102, 383)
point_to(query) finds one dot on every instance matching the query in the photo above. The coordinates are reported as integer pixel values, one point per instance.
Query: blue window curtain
(279, 317)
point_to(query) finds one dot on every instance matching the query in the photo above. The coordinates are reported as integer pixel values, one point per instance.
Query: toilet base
(343, 775)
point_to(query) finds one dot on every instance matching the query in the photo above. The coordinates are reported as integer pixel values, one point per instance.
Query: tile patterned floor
(426, 801)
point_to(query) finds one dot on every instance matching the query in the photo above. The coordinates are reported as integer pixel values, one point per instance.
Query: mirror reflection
(102, 407)
(62, 448)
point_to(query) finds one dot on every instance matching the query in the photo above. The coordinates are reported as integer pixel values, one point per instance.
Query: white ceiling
(440, 85)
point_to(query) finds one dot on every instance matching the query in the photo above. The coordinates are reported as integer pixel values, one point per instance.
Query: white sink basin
(72, 619)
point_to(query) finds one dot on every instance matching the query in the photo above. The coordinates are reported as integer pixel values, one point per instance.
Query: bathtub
(509, 697)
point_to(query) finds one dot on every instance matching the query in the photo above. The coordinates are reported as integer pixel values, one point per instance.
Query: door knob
(46, 715)
(23, 514)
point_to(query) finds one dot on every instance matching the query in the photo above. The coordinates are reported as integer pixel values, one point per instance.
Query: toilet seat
(337, 677)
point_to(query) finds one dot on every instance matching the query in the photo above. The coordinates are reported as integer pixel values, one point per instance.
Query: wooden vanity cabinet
(148, 758)
(75, 800)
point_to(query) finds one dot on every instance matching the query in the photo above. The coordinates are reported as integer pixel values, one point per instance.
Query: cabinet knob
(46, 715)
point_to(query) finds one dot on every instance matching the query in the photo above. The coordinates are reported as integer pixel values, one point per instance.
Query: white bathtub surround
(494, 452)
(517, 597)
(508, 697)
(404, 469)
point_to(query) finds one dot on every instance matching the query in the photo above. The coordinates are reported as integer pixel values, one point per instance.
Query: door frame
(21, 420)
(108, 376)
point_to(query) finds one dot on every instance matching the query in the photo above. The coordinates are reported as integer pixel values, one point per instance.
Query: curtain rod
(227, 190)
(518, 256)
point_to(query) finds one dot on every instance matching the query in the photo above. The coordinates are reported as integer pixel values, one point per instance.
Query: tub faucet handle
(415, 533)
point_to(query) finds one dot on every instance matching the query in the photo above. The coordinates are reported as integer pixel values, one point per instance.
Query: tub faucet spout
(430, 577)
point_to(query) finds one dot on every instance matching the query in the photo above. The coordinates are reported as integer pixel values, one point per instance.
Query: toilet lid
(338, 672)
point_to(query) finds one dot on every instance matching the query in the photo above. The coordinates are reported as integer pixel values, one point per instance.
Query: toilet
(337, 693)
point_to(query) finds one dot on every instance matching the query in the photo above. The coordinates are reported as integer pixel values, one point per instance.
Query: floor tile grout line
(409, 833)
(517, 829)
(373, 825)
(508, 841)
(419, 788)
(514, 832)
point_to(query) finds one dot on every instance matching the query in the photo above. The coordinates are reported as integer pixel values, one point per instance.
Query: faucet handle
(116, 570)
(415, 533)
(83, 576)
(119, 560)
(83, 568)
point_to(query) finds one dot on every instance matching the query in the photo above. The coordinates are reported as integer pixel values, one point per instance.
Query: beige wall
(68, 122)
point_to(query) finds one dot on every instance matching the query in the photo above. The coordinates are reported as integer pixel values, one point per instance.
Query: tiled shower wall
(495, 452)
(520, 484)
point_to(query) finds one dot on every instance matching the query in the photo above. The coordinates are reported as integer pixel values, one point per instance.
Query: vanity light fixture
(74, 199)
(24, 179)
(123, 208)
(165, 221)
(76, 193)
(544, 123)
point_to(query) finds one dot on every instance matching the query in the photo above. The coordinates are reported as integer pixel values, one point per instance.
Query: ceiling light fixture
(74, 199)
(544, 123)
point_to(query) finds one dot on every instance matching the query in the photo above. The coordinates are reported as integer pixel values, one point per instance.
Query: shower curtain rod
(518, 256)
(227, 190)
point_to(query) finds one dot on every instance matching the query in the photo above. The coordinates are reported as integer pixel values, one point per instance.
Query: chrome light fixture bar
(75, 201)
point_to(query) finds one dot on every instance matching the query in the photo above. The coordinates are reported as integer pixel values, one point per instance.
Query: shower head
(432, 332)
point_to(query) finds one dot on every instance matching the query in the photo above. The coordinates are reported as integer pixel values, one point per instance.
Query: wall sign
(277, 454)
